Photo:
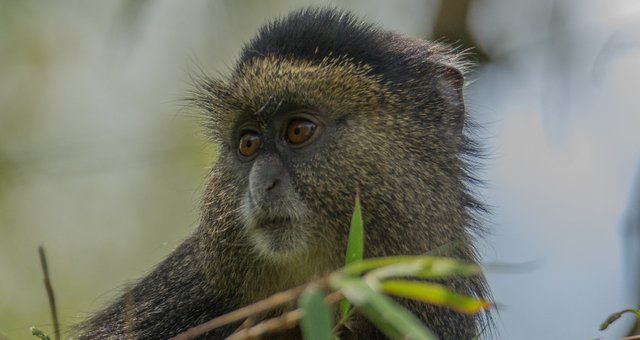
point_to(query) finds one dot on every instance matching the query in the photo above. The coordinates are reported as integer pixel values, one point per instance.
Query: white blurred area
(561, 108)
(100, 162)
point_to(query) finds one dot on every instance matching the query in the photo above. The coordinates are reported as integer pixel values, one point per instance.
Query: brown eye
(300, 131)
(249, 143)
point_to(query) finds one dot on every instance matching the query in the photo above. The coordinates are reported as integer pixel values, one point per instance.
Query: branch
(285, 321)
(261, 306)
(281, 323)
(49, 288)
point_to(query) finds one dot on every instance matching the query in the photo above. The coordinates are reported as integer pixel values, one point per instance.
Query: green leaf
(392, 319)
(355, 247)
(317, 321)
(426, 267)
(35, 331)
(430, 268)
(447, 267)
(360, 267)
(435, 294)
(615, 316)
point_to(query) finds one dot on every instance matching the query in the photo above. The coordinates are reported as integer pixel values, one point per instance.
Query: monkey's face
(289, 130)
(299, 138)
(276, 216)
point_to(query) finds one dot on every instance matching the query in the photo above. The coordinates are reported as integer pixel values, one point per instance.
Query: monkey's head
(320, 104)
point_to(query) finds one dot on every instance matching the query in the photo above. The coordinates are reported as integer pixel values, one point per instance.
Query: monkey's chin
(279, 239)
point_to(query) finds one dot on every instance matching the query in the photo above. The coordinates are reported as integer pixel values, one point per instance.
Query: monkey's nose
(273, 184)
(269, 182)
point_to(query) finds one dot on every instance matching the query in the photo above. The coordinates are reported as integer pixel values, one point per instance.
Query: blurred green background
(102, 164)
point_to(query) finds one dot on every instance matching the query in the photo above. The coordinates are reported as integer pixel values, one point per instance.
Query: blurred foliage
(317, 321)
(617, 315)
(37, 332)
(365, 283)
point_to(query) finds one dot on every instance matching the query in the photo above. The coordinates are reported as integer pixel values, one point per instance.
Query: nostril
(273, 185)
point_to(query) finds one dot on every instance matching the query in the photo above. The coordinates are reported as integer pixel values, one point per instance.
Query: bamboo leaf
(392, 319)
(35, 331)
(438, 268)
(355, 246)
(426, 267)
(447, 267)
(615, 316)
(359, 267)
(435, 294)
(316, 323)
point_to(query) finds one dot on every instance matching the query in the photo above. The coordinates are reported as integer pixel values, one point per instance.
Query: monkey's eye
(249, 143)
(300, 130)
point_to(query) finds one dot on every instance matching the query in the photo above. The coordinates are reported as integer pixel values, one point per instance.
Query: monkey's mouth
(279, 238)
(274, 223)
(277, 230)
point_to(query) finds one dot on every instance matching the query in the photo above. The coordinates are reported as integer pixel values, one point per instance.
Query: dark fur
(397, 117)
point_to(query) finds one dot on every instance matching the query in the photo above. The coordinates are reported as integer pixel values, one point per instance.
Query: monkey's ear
(451, 88)
(442, 68)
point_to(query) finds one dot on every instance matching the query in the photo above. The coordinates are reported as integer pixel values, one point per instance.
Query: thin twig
(49, 288)
(333, 298)
(248, 322)
(261, 306)
(285, 321)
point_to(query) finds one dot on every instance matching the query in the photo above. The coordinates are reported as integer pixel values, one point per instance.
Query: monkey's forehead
(262, 85)
(331, 83)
